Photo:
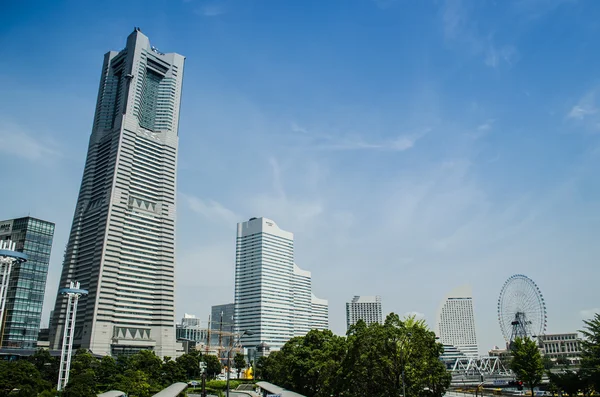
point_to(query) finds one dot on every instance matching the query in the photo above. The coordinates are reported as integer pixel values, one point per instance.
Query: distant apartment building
(366, 308)
(27, 284)
(456, 322)
(273, 296)
(561, 347)
(190, 329)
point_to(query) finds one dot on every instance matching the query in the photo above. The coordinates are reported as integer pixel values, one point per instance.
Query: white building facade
(561, 346)
(456, 322)
(122, 242)
(366, 308)
(273, 296)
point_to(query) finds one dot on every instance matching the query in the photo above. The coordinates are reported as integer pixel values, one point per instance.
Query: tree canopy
(376, 360)
(590, 356)
(140, 375)
(239, 363)
(527, 362)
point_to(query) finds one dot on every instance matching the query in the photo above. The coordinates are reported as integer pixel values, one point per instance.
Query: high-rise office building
(122, 242)
(273, 296)
(456, 321)
(319, 315)
(27, 282)
(366, 308)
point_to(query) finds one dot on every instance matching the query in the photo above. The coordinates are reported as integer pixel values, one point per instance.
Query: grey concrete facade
(122, 242)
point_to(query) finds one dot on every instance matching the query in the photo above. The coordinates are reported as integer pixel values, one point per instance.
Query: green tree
(106, 371)
(309, 364)
(239, 363)
(375, 360)
(189, 364)
(213, 365)
(151, 365)
(389, 359)
(134, 383)
(172, 372)
(82, 384)
(262, 365)
(568, 382)
(590, 352)
(148, 362)
(46, 365)
(548, 363)
(23, 376)
(81, 362)
(527, 362)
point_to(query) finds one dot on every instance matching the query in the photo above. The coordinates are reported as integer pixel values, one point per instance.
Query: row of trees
(391, 359)
(529, 366)
(140, 375)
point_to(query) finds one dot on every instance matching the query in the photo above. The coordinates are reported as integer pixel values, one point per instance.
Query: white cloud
(343, 142)
(585, 107)
(585, 113)
(459, 29)
(212, 10)
(16, 141)
(417, 315)
(587, 314)
(496, 56)
(211, 209)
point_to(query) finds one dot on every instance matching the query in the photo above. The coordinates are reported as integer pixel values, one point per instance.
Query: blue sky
(412, 147)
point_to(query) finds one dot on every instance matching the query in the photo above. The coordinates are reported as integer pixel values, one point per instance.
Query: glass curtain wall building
(27, 283)
(122, 242)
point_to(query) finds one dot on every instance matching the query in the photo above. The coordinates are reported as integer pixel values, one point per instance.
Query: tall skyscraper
(273, 296)
(27, 283)
(122, 242)
(456, 321)
(366, 308)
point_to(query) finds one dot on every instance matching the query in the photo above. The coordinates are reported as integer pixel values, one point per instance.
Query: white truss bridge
(480, 366)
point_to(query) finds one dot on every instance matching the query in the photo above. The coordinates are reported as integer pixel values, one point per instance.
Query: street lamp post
(239, 336)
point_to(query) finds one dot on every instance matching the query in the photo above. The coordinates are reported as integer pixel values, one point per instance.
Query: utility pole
(203, 372)
(208, 335)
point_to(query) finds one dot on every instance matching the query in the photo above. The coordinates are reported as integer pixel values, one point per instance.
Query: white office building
(122, 242)
(319, 315)
(456, 322)
(273, 296)
(366, 308)
(561, 346)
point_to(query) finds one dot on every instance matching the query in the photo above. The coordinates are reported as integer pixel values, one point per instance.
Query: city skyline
(122, 242)
(411, 148)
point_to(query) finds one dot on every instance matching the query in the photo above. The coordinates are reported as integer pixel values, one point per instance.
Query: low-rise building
(561, 347)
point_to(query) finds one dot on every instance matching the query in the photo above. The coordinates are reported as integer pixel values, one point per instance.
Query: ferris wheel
(521, 309)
